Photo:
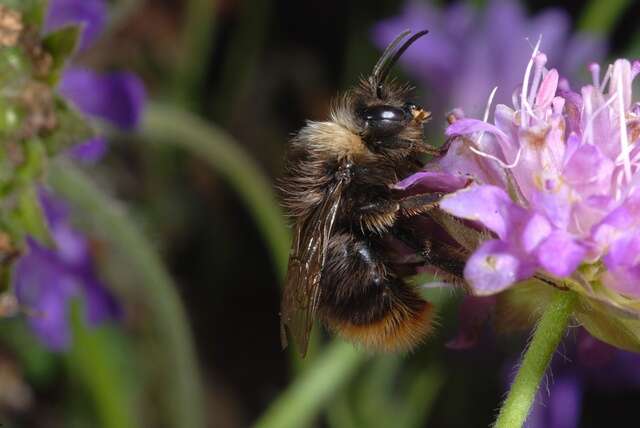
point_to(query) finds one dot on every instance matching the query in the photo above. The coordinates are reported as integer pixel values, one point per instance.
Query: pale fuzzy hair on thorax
(342, 113)
(332, 138)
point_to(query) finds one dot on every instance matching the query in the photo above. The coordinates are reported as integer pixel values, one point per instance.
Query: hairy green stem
(548, 333)
(183, 392)
(216, 147)
(305, 398)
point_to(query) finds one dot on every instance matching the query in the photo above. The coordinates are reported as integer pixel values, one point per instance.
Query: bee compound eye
(384, 113)
(383, 120)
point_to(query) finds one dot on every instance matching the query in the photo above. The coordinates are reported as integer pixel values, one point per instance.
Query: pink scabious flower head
(555, 183)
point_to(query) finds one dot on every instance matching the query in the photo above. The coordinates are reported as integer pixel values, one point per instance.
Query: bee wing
(301, 295)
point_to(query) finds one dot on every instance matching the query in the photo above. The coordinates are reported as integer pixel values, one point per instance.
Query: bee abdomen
(366, 303)
(403, 324)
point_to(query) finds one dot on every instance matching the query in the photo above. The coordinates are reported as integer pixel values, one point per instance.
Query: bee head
(387, 121)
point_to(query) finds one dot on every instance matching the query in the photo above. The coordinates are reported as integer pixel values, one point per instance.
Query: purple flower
(116, 98)
(555, 181)
(90, 14)
(471, 51)
(46, 280)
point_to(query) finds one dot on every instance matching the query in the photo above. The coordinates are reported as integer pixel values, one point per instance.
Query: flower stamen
(606, 78)
(540, 61)
(525, 85)
(592, 116)
(485, 118)
(594, 68)
(624, 137)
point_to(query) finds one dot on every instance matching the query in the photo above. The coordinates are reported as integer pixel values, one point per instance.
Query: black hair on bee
(338, 190)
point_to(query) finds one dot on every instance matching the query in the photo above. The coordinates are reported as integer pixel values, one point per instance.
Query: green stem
(92, 361)
(31, 215)
(226, 157)
(183, 399)
(600, 16)
(167, 124)
(547, 336)
(198, 31)
(305, 398)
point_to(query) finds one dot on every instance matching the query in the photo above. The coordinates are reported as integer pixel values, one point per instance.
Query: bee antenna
(390, 56)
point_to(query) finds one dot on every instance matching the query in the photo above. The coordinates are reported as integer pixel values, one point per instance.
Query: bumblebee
(338, 190)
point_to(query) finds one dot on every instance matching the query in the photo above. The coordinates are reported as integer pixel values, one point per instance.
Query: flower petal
(560, 254)
(494, 267)
(101, 304)
(467, 126)
(92, 14)
(89, 151)
(618, 222)
(488, 205)
(71, 246)
(589, 170)
(43, 287)
(547, 89)
(115, 97)
(434, 181)
(625, 280)
(535, 231)
(55, 210)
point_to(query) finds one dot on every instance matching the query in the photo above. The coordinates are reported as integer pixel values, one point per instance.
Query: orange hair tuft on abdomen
(401, 329)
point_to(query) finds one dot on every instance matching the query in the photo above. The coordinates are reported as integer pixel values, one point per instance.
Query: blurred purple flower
(585, 364)
(117, 98)
(90, 14)
(469, 51)
(46, 279)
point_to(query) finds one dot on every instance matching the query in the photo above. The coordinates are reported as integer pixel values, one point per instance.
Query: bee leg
(433, 252)
(431, 150)
(419, 204)
(411, 240)
(379, 215)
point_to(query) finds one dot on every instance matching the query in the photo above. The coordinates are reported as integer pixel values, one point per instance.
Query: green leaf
(72, 128)
(623, 333)
(39, 365)
(519, 307)
(14, 65)
(10, 118)
(98, 361)
(311, 391)
(61, 44)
